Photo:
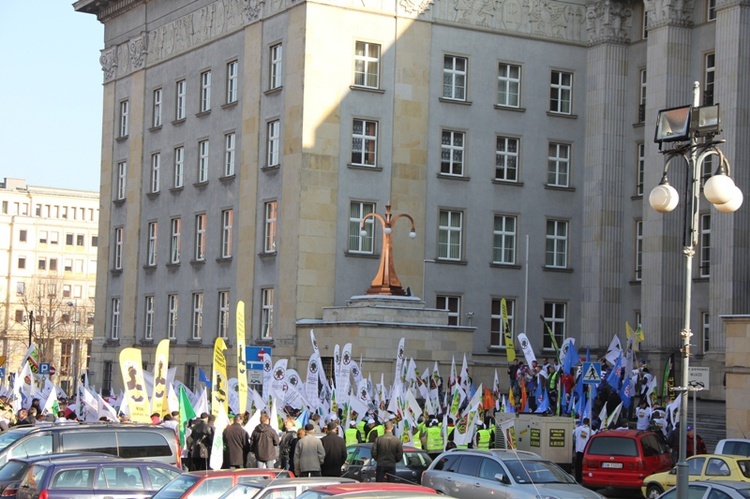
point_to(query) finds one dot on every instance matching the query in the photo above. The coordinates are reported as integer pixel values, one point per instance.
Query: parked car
(213, 483)
(281, 488)
(712, 490)
(734, 446)
(363, 488)
(500, 473)
(13, 471)
(154, 442)
(701, 467)
(360, 465)
(95, 478)
(623, 458)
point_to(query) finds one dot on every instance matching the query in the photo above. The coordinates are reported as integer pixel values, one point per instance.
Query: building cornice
(105, 10)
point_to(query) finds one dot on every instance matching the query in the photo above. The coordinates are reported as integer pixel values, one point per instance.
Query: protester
(202, 438)
(335, 451)
(237, 443)
(387, 451)
(285, 444)
(700, 446)
(263, 443)
(581, 436)
(308, 454)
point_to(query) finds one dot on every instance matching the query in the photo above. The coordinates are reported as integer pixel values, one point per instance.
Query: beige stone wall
(738, 376)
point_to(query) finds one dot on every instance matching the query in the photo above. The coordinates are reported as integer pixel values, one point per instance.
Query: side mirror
(673, 471)
(502, 478)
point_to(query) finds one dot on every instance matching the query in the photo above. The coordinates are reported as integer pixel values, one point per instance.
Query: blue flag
(625, 393)
(203, 378)
(571, 358)
(542, 402)
(613, 379)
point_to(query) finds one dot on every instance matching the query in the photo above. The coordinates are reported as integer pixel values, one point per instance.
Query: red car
(213, 483)
(352, 488)
(623, 458)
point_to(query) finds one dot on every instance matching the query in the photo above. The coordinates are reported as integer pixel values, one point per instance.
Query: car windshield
(242, 490)
(177, 487)
(743, 464)
(12, 470)
(537, 472)
(9, 437)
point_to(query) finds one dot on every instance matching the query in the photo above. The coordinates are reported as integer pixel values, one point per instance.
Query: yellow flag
(510, 350)
(639, 333)
(131, 367)
(241, 360)
(628, 330)
(161, 366)
(220, 382)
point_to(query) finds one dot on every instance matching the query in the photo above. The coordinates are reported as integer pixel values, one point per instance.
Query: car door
(75, 482)
(356, 461)
(121, 482)
(490, 487)
(466, 481)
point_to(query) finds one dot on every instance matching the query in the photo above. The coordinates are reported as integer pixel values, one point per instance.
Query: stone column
(605, 186)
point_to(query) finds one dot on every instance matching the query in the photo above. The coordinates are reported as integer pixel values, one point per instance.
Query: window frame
(227, 239)
(506, 83)
(709, 78)
(455, 80)
(555, 323)
(121, 183)
(507, 161)
(706, 332)
(496, 323)
(559, 243)
(704, 255)
(638, 263)
(450, 168)
(155, 179)
(230, 144)
(367, 139)
(270, 226)
(640, 168)
(180, 112)
(203, 157)
(504, 237)
(118, 246)
(357, 242)
(178, 167)
(152, 243)
(450, 232)
(156, 107)
(454, 312)
(124, 121)
(148, 318)
(175, 240)
(273, 143)
(559, 165)
(232, 81)
(205, 91)
(199, 247)
(275, 66)
(173, 305)
(224, 306)
(114, 327)
(266, 313)
(364, 62)
(561, 93)
(196, 323)
(642, 92)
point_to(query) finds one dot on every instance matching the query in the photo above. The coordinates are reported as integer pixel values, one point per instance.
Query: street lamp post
(692, 129)
(75, 344)
(31, 327)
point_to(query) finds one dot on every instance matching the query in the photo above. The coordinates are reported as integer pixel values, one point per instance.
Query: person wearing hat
(387, 451)
(352, 435)
(370, 432)
(433, 443)
(483, 438)
(335, 451)
(694, 441)
(308, 454)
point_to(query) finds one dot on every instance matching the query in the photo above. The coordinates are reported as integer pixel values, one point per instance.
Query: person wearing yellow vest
(370, 432)
(351, 435)
(483, 439)
(434, 442)
(375, 432)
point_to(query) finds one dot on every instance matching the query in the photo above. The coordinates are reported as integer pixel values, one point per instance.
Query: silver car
(499, 474)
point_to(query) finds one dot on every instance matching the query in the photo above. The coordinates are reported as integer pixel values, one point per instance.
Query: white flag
(217, 447)
(528, 352)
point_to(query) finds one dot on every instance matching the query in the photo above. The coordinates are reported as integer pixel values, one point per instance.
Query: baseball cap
(690, 428)
(309, 427)
(352, 423)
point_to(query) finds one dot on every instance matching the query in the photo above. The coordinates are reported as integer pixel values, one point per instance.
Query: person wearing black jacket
(286, 452)
(202, 437)
(237, 443)
(335, 448)
(387, 451)
(263, 443)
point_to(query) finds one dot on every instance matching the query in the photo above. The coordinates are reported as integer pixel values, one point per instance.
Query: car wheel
(653, 491)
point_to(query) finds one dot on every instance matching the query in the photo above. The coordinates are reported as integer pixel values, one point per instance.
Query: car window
(651, 446)
(120, 477)
(135, 444)
(212, 487)
(160, 476)
(74, 478)
(469, 465)
(447, 463)
(254, 479)
(744, 466)
(718, 494)
(613, 446)
(489, 468)
(717, 467)
(36, 445)
(695, 465)
(283, 493)
(33, 477)
(8, 437)
(737, 448)
(176, 487)
(94, 441)
(361, 455)
(416, 459)
(13, 470)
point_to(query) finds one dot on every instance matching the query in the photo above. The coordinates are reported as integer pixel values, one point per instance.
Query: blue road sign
(254, 357)
(592, 372)
(44, 368)
(2, 372)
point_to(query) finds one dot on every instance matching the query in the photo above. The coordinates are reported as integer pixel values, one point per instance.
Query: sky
(50, 94)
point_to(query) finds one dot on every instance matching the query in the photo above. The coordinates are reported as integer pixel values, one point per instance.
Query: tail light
(179, 451)
(10, 490)
(44, 494)
(590, 463)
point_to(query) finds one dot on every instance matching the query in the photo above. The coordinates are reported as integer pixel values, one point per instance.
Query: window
(22, 235)
(705, 251)
(706, 331)
(558, 165)
(554, 319)
(560, 92)
(156, 118)
(504, 240)
(21, 262)
(124, 111)
(173, 305)
(266, 313)
(197, 323)
(43, 237)
(638, 250)
(66, 356)
(80, 239)
(556, 253)
(229, 143)
(274, 132)
(449, 235)
(202, 161)
(364, 142)
(269, 237)
(118, 247)
(121, 182)
(644, 34)
(68, 265)
(454, 77)
(53, 264)
(155, 169)
(452, 153)
(114, 332)
(227, 220)
(497, 338)
(148, 323)
(180, 110)
(506, 159)
(452, 304)
(367, 65)
(275, 67)
(191, 376)
(508, 85)
(357, 242)
(708, 79)
(42, 264)
(205, 103)
(200, 237)
(175, 240)
(711, 10)
(153, 232)
(642, 97)
(640, 168)
(94, 241)
(179, 162)
(223, 325)
(232, 84)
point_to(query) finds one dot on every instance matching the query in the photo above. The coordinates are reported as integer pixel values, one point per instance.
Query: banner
(131, 367)
(241, 361)
(187, 413)
(346, 369)
(311, 384)
(161, 366)
(220, 390)
(399, 362)
(528, 352)
(510, 350)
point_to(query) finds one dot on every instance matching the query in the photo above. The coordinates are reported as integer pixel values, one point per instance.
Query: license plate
(611, 465)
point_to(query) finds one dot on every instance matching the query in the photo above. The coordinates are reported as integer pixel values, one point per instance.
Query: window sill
(365, 167)
(173, 265)
(639, 124)
(511, 183)
(452, 177)
(362, 88)
(122, 138)
(224, 259)
(271, 168)
(272, 91)
(267, 254)
(510, 108)
(227, 179)
(146, 341)
(194, 341)
(559, 188)
(636, 197)
(264, 342)
(197, 263)
(178, 121)
(200, 185)
(450, 262)
(115, 272)
(203, 114)
(109, 342)
(149, 268)
(496, 350)
(356, 254)
(229, 105)
(155, 128)
(635, 282)
(118, 202)
(176, 190)
(455, 101)
(702, 279)
(152, 195)
(562, 115)
(510, 266)
(562, 270)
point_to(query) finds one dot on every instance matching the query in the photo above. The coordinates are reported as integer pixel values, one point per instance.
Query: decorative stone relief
(253, 10)
(415, 6)
(477, 12)
(137, 52)
(669, 12)
(108, 60)
(609, 21)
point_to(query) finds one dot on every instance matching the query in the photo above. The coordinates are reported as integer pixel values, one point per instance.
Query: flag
(614, 350)
(628, 330)
(613, 418)
(32, 358)
(570, 355)
(397, 379)
(241, 360)
(51, 406)
(511, 400)
(217, 448)
(639, 334)
(203, 378)
(510, 350)
(668, 379)
(187, 413)
(626, 393)
(613, 378)
(220, 391)
(161, 367)
(552, 338)
(131, 367)
(528, 352)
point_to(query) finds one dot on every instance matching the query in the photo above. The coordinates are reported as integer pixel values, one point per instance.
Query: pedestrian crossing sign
(592, 372)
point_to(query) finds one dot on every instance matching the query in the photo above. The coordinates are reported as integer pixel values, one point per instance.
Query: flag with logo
(131, 368)
(241, 360)
(220, 391)
(161, 368)
(510, 350)
(528, 351)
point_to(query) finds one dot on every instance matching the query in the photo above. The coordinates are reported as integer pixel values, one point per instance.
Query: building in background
(244, 141)
(48, 259)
